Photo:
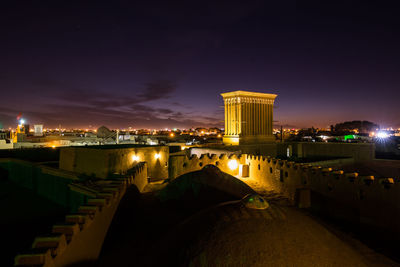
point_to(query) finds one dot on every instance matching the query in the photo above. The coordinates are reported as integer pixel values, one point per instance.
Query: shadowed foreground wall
(45, 181)
(80, 238)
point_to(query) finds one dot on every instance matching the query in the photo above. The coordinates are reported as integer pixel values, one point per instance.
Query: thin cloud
(160, 89)
(76, 106)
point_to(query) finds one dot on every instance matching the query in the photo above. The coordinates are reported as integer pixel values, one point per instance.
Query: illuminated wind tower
(248, 117)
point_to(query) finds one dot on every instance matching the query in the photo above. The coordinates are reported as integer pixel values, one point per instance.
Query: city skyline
(125, 64)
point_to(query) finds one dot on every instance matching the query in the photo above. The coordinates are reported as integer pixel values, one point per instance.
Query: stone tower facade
(248, 117)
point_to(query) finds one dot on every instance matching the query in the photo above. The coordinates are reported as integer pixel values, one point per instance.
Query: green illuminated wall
(44, 183)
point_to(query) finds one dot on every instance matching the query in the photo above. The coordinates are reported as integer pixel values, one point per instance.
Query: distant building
(3, 135)
(38, 129)
(248, 117)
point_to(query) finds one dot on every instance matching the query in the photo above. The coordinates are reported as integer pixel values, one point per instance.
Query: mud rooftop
(192, 223)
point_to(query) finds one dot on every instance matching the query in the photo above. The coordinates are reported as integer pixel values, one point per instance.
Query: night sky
(163, 64)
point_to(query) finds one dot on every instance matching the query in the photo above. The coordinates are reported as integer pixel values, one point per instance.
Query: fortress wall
(358, 199)
(79, 239)
(363, 200)
(259, 169)
(358, 151)
(103, 162)
(274, 175)
(268, 173)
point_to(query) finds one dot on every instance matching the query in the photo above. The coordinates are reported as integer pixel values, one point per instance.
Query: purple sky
(164, 64)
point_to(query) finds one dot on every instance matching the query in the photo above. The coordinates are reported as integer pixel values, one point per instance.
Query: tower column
(262, 118)
(270, 119)
(239, 106)
(243, 115)
(247, 115)
(254, 117)
(259, 117)
(226, 116)
(267, 117)
(237, 119)
(271, 116)
(231, 114)
(251, 117)
(232, 118)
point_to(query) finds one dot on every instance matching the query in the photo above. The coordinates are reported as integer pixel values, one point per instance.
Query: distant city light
(382, 135)
(22, 122)
(232, 164)
(172, 134)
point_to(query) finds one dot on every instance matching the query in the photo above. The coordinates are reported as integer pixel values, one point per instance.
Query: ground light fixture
(232, 164)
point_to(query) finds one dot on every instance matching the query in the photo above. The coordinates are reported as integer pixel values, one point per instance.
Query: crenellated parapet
(80, 237)
(182, 164)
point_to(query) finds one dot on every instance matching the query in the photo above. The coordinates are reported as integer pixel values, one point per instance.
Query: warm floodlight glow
(382, 135)
(232, 164)
(157, 156)
(171, 134)
(135, 158)
(53, 146)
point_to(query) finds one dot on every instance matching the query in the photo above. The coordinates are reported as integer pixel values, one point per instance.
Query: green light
(349, 136)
